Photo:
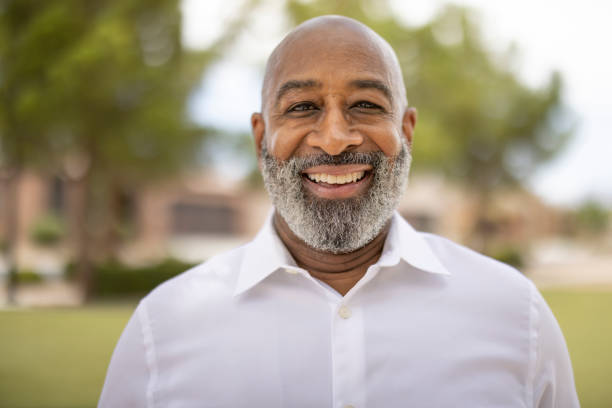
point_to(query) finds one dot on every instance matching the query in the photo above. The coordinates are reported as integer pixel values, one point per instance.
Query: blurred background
(126, 158)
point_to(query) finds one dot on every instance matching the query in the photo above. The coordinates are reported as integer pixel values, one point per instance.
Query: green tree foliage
(477, 122)
(97, 91)
(120, 85)
(23, 52)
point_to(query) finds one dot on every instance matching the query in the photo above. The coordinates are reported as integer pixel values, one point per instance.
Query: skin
(332, 85)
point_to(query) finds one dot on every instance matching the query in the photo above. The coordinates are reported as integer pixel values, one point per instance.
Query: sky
(568, 36)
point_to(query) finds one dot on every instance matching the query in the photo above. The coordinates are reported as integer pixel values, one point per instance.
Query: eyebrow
(373, 84)
(311, 83)
(295, 84)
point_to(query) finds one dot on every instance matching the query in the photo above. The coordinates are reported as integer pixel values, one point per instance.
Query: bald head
(333, 85)
(332, 39)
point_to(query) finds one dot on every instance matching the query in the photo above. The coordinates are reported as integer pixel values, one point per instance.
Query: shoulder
(463, 260)
(180, 311)
(209, 281)
(478, 274)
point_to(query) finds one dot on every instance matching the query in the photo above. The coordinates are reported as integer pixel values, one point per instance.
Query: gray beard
(343, 225)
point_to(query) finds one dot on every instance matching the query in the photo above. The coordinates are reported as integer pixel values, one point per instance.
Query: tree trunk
(111, 220)
(83, 265)
(484, 227)
(11, 216)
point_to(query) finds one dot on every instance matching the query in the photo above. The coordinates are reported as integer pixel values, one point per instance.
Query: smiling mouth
(338, 181)
(331, 179)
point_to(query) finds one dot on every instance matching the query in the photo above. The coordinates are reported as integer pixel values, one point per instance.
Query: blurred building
(196, 216)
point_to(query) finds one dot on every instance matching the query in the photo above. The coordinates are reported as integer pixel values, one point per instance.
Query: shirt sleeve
(128, 374)
(553, 379)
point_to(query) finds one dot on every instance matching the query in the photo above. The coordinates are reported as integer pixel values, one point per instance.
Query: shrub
(510, 255)
(592, 217)
(28, 276)
(114, 279)
(47, 230)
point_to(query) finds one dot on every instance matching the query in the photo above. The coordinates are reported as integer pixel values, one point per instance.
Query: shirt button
(344, 313)
(291, 271)
(349, 406)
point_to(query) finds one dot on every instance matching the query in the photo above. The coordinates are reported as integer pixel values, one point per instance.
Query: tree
(98, 90)
(24, 50)
(478, 123)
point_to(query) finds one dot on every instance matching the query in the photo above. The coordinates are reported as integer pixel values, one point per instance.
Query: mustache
(302, 163)
(296, 165)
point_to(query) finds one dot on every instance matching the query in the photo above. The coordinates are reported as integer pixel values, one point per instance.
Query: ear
(408, 124)
(258, 128)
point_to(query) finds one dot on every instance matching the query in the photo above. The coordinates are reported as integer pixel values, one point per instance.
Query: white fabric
(431, 324)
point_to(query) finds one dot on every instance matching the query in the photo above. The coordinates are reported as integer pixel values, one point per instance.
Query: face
(334, 138)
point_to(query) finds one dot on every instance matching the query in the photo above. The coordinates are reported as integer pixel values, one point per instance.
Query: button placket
(348, 356)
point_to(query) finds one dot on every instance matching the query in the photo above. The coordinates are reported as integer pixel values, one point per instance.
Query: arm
(128, 375)
(553, 379)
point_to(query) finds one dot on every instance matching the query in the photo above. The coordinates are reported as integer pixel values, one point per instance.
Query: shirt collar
(405, 243)
(266, 253)
(263, 256)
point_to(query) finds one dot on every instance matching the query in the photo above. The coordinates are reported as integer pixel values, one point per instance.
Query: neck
(340, 271)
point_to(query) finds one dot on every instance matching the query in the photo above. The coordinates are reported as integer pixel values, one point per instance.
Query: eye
(302, 107)
(366, 105)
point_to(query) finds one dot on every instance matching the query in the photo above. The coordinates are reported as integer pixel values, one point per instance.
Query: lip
(337, 191)
(339, 169)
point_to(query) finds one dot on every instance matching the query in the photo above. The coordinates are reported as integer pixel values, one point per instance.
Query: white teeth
(336, 179)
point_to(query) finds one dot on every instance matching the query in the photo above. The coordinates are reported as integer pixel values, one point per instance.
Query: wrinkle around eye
(301, 107)
(370, 105)
(369, 108)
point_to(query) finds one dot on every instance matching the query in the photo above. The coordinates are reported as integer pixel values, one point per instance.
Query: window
(57, 201)
(203, 218)
(420, 221)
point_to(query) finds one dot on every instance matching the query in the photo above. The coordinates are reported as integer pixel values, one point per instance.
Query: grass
(585, 318)
(57, 358)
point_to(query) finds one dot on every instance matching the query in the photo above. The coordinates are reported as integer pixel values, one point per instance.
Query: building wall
(201, 214)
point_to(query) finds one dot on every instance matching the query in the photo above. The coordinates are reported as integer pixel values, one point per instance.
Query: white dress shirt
(431, 325)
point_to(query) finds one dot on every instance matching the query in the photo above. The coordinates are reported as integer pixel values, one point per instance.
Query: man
(338, 302)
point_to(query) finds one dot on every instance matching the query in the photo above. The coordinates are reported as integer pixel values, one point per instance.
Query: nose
(333, 134)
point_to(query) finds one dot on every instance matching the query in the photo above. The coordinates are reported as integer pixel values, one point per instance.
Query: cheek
(386, 138)
(283, 144)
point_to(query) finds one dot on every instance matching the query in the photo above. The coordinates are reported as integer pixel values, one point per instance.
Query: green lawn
(58, 357)
(586, 320)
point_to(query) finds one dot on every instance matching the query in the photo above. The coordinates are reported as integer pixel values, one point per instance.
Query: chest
(291, 351)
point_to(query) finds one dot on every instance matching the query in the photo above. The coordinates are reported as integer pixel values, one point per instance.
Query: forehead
(331, 58)
(320, 53)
